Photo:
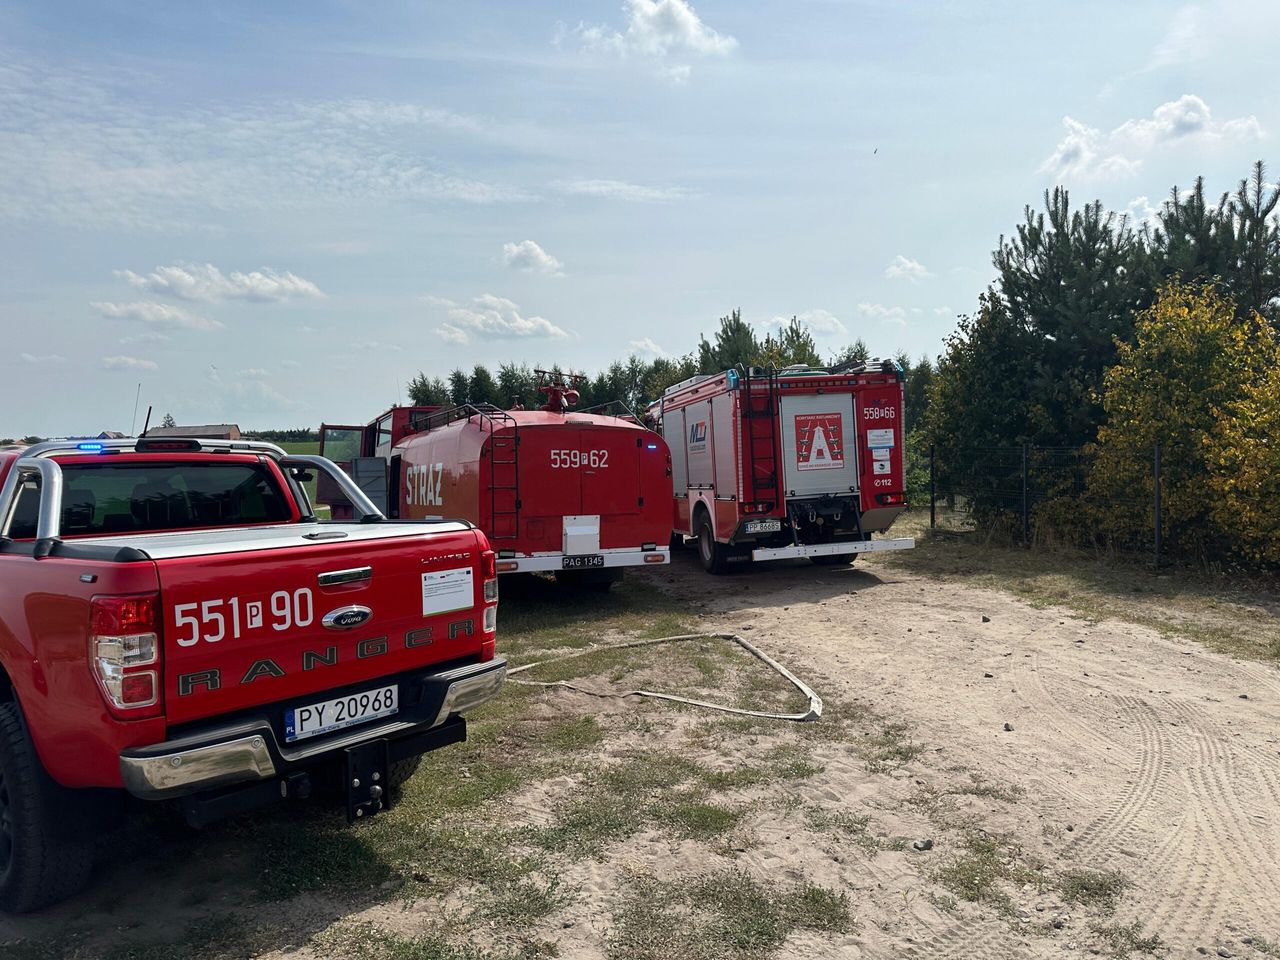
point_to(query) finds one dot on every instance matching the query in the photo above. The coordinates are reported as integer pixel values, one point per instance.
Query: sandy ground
(1135, 753)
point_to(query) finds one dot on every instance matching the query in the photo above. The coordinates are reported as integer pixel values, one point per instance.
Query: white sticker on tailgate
(444, 591)
(879, 438)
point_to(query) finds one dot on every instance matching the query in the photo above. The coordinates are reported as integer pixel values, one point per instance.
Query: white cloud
(435, 301)
(254, 373)
(205, 282)
(1140, 211)
(494, 317)
(1081, 153)
(821, 323)
(620, 190)
(1085, 151)
(156, 314)
(645, 345)
(1182, 41)
(902, 268)
(885, 314)
(42, 358)
(666, 32)
(942, 311)
(127, 363)
(146, 336)
(101, 150)
(531, 258)
(451, 334)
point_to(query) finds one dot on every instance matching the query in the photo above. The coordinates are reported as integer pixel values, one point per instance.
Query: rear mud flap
(367, 769)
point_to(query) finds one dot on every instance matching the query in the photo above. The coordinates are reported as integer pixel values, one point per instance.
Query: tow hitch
(367, 793)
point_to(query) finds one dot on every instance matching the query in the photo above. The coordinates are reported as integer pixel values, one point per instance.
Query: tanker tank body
(582, 495)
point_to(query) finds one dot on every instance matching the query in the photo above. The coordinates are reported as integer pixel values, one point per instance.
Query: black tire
(677, 541)
(835, 559)
(714, 556)
(402, 770)
(40, 862)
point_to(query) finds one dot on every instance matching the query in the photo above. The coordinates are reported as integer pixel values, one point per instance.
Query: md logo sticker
(698, 436)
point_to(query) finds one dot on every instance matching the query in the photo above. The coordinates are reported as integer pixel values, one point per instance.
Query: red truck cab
(176, 623)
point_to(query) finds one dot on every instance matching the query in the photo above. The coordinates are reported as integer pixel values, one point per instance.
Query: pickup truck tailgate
(274, 616)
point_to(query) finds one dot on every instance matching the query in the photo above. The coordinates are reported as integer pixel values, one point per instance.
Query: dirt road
(993, 778)
(1129, 752)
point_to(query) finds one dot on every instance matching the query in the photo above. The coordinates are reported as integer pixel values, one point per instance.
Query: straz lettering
(210, 680)
(424, 484)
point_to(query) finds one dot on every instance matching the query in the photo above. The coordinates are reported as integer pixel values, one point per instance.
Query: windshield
(139, 497)
(342, 444)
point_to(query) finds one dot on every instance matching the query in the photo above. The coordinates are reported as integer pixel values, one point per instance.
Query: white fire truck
(797, 462)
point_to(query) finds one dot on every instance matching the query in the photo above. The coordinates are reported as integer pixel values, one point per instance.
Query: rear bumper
(251, 749)
(543, 562)
(832, 549)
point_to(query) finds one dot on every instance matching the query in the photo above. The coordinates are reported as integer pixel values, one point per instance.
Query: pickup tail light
(124, 651)
(891, 499)
(489, 624)
(761, 507)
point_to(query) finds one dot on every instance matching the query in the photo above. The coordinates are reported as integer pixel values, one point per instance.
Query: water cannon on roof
(561, 389)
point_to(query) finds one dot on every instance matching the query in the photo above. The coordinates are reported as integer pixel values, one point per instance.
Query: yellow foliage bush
(1196, 366)
(1245, 460)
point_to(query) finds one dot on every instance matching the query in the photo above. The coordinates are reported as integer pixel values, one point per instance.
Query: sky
(277, 214)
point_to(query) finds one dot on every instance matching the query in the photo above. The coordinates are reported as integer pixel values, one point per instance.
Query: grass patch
(891, 747)
(1229, 614)
(980, 787)
(1093, 888)
(979, 872)
(364, 941)
(206, 938)
(1124, 940)
(621, 799)
(721, 915)
(845, 826)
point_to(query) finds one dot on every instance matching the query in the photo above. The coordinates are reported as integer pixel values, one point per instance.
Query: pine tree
(168, 421)
(459, 386)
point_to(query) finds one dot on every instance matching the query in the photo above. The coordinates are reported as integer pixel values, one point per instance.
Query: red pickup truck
(175, 622)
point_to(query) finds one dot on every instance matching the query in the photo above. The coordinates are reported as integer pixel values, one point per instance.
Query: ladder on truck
(760, 449)
(504, 461)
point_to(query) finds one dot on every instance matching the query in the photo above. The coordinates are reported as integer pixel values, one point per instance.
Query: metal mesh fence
(1141, 502)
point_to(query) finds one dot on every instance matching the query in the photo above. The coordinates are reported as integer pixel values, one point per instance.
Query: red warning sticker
(819, 441)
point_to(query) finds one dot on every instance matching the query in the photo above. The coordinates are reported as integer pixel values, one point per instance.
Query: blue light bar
(90, 447)
(653, 446)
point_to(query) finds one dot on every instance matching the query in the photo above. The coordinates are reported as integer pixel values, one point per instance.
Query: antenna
(134, 422)
(147, 423)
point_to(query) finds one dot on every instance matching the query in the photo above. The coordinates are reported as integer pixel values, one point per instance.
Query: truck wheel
(714, 556)
(39, 864)
(402, 770)
(835, 559)
(677, 541)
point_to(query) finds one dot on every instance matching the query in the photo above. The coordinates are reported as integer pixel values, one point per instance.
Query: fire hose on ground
(815, 701)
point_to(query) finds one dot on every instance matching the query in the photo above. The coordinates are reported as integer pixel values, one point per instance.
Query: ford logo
(347, 618)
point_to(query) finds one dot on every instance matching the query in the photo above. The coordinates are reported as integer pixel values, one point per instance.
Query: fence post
(1026, 504)
(933, 491)
(1159, 517)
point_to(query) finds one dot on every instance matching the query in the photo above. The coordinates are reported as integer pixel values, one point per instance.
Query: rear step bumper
(251, 750)
(832, 549)
(614, 557)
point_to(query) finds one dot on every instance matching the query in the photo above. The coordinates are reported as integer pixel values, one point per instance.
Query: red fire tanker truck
(581, 494)
(798, 462)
